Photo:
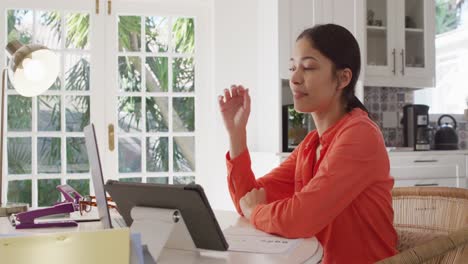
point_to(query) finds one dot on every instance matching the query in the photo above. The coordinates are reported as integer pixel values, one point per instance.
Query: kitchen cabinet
(429, 169)
(400, 43)
(294, 17)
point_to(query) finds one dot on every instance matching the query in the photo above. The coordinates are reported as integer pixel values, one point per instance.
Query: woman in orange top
(336, 184)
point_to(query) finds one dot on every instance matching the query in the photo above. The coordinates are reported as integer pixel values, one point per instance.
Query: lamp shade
(33, 68)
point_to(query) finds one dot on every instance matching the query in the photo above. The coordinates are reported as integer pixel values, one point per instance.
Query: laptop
(98, 181)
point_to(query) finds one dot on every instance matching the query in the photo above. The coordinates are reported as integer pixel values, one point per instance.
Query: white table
(305, 252)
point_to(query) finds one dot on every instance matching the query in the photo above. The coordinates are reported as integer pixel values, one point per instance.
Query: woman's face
(313, 84)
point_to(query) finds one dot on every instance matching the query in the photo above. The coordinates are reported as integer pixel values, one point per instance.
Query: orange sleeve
(355, 160)
(278, 184)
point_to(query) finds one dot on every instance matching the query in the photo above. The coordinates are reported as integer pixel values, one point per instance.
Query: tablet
(190, 200)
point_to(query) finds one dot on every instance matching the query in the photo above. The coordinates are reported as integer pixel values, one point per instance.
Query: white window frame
(101, 75)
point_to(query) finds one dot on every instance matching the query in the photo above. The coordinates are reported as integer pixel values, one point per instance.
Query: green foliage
(81, 185)
(14, 19)
(20, 192)
(49, 155)
(446, 16)
(78, 30)
(156, 154)
(19, 155)
(295, 118)
(183, 33)
(129, 33)
(19, 113)
(48, 194)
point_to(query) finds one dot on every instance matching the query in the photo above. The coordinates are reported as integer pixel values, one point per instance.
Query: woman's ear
(344, 78)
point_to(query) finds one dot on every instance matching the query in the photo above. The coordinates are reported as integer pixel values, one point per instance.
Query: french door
(136, 69)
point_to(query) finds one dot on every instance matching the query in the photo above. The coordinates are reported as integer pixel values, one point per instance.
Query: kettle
(446, 137)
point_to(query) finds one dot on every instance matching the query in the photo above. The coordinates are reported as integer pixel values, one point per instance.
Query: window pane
(156, 74)
(129, 154)
(183, 35)
(19, 113)
(130, 114)
(20, 25)
(77, 156)
(81, 186)
(183, 71)
(19, 155)
(77, 31)
(48, 109)
(184, 179)
(129, 33)
(77, 68)
(157, 112)
(58, 83)
(160, 180)
(77, 109)
(48, 29)
(157, 34)
(135, 179)
(48, 193)
(183, 114)
(20, 192)
(157, 154)
(129, 74)
(48, 155)
(184, 154)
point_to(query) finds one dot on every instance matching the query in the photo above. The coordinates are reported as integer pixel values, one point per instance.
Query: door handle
(402, 53)
(110, 133)
(394, 61)
(426, 184)
(427, 161)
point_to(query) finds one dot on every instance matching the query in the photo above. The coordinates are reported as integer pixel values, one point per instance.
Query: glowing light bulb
(34, 70)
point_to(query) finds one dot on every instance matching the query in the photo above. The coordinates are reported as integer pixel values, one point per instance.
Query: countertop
(392, 151)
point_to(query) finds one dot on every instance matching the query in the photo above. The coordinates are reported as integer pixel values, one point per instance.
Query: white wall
(235, 62)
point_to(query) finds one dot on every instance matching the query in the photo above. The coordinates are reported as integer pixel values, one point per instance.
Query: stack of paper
(104, 246)
(248, 239)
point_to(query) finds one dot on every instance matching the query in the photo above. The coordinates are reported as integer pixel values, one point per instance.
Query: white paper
(247, 239)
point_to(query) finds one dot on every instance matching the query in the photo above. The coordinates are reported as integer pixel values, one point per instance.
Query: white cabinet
(294, 17)
(428, 169)
(400, 46)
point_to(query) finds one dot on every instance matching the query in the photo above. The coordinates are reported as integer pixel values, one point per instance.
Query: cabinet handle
(394, 61)
(426, 184)
(402, 53)
(428, 161)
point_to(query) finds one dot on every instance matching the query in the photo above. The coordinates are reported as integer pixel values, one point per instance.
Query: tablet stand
(161, 228)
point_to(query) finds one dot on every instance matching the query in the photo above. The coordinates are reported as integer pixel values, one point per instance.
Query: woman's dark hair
(339, 45)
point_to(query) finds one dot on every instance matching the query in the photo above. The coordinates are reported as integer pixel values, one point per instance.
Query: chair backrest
(424, 213)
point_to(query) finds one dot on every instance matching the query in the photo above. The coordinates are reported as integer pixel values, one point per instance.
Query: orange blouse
(344, 199)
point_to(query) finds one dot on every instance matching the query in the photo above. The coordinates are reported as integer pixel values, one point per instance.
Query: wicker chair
(432, 225)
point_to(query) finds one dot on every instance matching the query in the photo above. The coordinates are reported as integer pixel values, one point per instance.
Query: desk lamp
(32, 70)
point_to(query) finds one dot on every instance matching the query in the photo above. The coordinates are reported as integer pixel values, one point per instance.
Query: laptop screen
(96, 174)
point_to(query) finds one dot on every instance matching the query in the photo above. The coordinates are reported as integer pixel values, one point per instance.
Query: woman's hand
(235, 108)
(251, 200)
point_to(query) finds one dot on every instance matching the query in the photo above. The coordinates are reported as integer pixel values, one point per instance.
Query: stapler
(27, 219)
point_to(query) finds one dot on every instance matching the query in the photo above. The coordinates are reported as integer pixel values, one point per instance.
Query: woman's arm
(235, 111)
(354, 162)
(278, 184)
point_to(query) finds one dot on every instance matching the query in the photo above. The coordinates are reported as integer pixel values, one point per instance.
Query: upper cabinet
(294, 17)
(400, 46)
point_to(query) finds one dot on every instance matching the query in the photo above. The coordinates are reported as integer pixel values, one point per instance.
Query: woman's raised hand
(235, 109)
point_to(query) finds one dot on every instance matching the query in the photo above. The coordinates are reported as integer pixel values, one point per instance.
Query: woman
(336, 184)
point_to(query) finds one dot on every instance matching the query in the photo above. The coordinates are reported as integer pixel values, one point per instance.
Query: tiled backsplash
(385, 105)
